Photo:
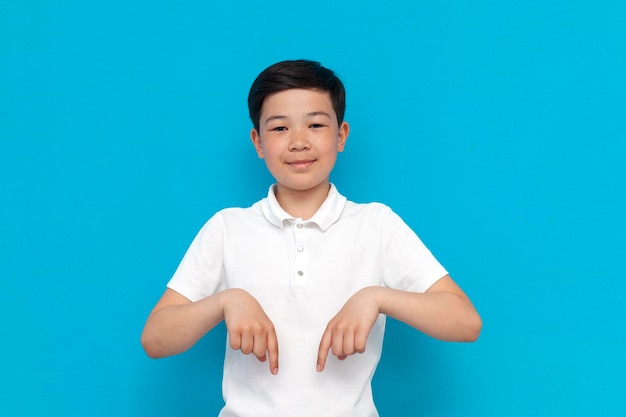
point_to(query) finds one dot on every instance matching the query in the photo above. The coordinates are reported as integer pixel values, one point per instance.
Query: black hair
(286, 75)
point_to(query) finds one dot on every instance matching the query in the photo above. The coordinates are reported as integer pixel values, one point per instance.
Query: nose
(299, 141)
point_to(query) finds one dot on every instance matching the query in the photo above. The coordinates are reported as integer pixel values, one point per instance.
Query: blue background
(495, 129)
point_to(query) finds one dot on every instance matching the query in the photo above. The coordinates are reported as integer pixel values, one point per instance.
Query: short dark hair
(286, 75)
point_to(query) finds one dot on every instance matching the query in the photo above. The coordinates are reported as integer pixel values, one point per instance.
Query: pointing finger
(272, 349)
(322, 352)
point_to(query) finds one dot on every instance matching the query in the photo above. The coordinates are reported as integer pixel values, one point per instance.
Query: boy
(304, 271)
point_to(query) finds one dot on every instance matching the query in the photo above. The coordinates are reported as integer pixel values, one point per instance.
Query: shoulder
(374, 214)
(230, 215)
(366, 210)
(365, 215)
(237, 218)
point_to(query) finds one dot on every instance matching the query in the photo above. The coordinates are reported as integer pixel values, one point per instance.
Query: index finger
(272, 351)
(322, 353)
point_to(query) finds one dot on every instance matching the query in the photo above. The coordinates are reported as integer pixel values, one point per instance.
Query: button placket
(300, 278)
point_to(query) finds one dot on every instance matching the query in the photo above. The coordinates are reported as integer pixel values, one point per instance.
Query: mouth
(301, 164)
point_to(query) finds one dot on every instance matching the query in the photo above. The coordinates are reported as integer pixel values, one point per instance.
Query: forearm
(440, 314)
(175, 328)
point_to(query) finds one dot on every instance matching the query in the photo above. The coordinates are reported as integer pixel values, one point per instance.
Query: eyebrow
(277, 117)
(318, 113)
(311, 114)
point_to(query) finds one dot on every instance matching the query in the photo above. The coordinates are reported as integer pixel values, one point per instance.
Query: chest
(300, 264)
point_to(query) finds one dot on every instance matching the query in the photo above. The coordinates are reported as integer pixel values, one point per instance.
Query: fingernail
(319, 367)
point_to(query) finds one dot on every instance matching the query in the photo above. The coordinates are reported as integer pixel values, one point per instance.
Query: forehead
(297, 101)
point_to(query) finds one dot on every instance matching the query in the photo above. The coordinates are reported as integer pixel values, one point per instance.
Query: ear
(342, 137)
(256, 141)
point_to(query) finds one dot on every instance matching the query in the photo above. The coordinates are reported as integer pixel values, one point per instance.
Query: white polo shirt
(302, 273)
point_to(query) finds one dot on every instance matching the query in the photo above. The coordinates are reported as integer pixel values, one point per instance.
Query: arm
(443, 312)
(176, 324)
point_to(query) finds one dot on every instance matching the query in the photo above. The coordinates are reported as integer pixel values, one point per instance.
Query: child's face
(299, 138)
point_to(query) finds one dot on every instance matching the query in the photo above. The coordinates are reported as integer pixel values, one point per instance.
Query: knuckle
(341, 326)
(359, 345)
(239, 328)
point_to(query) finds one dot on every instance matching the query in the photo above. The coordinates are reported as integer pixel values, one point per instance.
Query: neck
(302, 203)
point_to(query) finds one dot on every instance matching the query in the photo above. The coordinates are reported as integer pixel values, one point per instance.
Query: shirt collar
(324, 217)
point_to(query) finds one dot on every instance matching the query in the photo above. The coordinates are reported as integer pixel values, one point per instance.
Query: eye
(279, 129)
(316, 125)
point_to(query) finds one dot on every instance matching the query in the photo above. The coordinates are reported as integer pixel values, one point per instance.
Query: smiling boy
(304, 271)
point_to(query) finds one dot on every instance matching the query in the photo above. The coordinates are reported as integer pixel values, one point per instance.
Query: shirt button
(300, 273)
(300, 248)
(299, 225)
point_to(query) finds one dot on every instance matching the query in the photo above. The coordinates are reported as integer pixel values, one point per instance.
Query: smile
(301, 164)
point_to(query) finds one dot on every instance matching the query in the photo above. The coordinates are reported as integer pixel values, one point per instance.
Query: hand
(346, 334)
(249, 328)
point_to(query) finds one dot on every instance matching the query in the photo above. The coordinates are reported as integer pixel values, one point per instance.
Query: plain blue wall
(496, 129)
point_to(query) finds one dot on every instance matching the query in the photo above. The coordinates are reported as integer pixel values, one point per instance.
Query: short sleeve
(407, 263)
(201, 271)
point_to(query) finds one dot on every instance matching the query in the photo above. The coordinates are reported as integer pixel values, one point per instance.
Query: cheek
(272, 155)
